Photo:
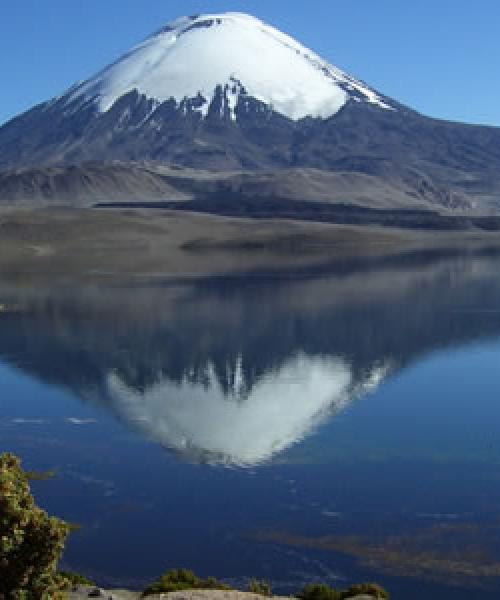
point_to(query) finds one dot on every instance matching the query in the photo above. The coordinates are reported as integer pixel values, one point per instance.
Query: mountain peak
(194, 55)
(206, 20)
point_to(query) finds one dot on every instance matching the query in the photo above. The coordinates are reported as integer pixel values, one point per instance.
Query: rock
(82, 592)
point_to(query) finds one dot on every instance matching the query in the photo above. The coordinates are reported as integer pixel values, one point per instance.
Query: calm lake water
(338, 425)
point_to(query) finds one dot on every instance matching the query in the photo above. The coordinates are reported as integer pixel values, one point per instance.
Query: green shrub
(31, 542)
(182, 579)
(211, 583)
(75, 578)
(368, 589)
(319, 591)
(259, 586)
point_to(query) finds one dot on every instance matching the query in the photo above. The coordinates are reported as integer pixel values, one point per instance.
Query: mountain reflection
(236, 370)
(205, 422)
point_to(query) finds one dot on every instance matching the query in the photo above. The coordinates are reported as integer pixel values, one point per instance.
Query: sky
(441, 57)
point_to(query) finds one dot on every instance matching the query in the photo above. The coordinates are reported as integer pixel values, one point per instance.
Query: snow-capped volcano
(229, 93)
(193, 56)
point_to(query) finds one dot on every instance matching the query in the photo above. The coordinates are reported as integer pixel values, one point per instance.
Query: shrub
(368, 589)
(211, 583)
(75, 578)
(319, 591)
(31, 542)
(259, 586)
(182, 579)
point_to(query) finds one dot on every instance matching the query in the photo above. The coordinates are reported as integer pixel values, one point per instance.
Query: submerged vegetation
(31, 544)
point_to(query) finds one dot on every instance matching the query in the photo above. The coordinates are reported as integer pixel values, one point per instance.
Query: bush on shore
(318, 591)
(183, 579)
(31, 542)
(368, 589)
(321, 591)
(75, 579)
(260, 586)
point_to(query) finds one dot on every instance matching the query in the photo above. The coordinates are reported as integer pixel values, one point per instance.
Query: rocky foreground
(83, 592)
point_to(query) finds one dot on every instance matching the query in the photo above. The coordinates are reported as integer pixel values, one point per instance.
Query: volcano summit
(195, 58)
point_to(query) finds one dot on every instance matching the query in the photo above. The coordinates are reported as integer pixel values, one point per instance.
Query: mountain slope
(230, 93)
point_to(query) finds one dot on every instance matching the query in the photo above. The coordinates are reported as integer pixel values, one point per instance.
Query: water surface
(337, 425)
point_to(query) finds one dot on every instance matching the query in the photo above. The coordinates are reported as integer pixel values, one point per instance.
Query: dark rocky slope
(364, 154)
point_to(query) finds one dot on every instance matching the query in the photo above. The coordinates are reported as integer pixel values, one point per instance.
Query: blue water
(336, 426)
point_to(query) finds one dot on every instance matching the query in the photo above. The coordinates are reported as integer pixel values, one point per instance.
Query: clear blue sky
(441, 57)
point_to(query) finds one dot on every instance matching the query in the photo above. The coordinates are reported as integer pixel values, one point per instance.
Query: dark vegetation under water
(31, 544)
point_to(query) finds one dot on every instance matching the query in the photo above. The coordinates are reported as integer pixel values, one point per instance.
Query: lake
(336, 424)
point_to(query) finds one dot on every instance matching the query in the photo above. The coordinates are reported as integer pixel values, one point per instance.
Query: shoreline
(98, 246)
(81, 592)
